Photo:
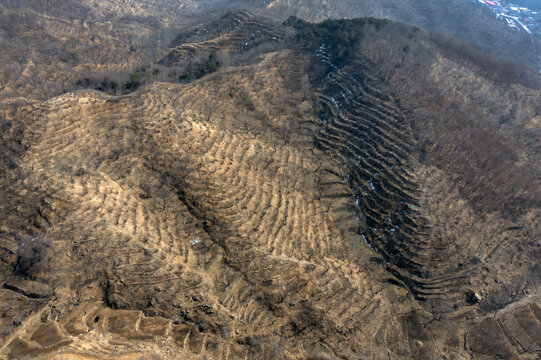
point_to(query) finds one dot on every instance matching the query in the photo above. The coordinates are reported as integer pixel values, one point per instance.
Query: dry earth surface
(290, 205)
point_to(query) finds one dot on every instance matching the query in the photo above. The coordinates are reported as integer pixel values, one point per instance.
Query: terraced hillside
(51, 45)
(283, 207)
(466, 21)
(369, 133)
(235, 32)
(197, 231)
(365, 127)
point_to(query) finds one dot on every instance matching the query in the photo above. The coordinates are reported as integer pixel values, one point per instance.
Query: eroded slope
(276, 210)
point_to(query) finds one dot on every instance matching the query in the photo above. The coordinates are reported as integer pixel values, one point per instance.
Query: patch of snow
(366, 241)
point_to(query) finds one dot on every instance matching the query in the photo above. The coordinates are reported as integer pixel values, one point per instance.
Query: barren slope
(278, 209)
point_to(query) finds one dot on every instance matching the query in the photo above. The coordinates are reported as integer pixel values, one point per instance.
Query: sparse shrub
(492, 67)
(203, 324)
(133, 83)
(105, 83)
(196, 71)
(254, 341)
(31, 254)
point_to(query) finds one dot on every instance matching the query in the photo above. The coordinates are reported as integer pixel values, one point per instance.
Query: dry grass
(221, 219)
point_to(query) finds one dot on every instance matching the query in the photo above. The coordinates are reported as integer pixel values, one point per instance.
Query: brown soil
(274, 209)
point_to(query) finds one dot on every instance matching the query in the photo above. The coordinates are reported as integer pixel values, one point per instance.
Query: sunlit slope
(379, 205)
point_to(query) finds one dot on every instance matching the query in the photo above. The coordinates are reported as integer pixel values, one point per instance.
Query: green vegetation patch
(134, 81)
(196, 71)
